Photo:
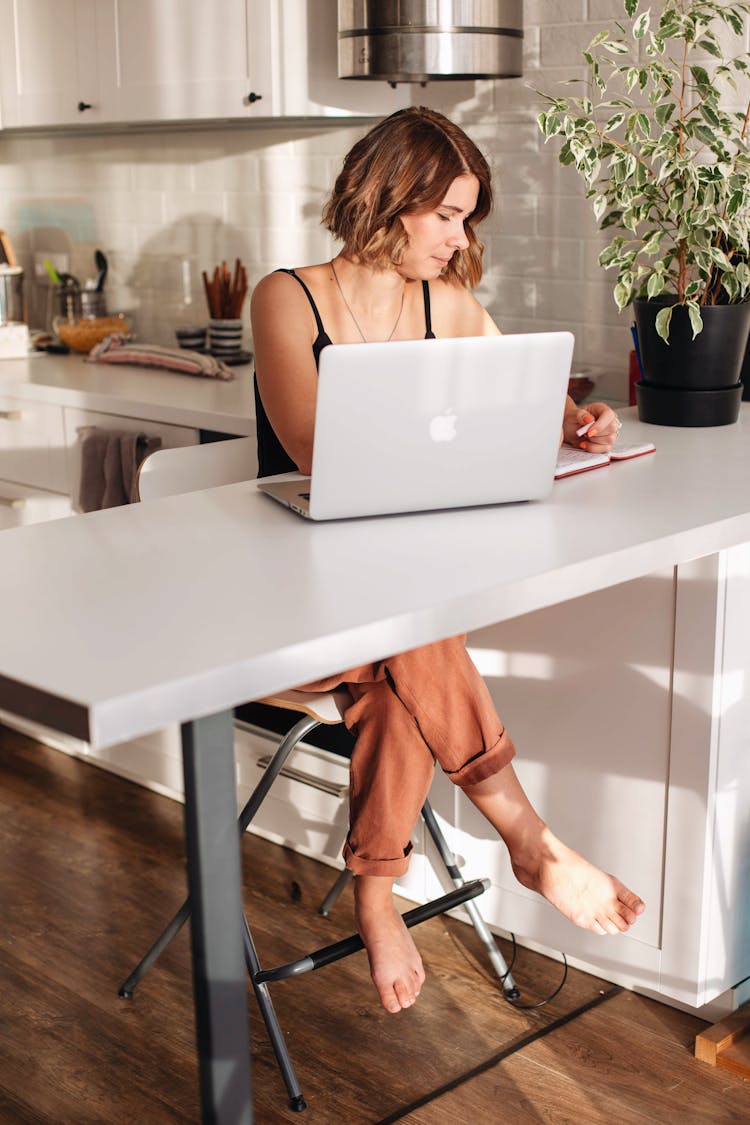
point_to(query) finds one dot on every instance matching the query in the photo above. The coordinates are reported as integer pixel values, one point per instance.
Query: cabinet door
(48, 62)
(185, 59)
(32, 444)
(21, 505)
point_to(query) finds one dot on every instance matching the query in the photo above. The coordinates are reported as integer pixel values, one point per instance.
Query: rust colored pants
(408, 712)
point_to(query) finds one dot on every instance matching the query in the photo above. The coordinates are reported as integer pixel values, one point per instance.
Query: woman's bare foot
(587, 896)
(395, 965)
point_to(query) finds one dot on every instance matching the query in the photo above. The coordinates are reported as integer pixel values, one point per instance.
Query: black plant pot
(691, 382)
(745, 374)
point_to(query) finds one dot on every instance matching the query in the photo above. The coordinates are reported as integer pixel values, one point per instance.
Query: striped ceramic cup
(224, 336)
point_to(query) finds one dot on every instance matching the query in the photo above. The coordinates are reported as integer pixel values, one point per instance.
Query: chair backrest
(191, 468)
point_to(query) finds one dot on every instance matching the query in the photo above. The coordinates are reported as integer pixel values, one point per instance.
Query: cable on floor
(492, 979)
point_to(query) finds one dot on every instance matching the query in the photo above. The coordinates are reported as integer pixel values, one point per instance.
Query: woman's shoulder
(285, 282)
(281, 305)
(456, 311)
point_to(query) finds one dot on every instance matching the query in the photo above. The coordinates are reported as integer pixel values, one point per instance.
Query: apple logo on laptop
(443, 426)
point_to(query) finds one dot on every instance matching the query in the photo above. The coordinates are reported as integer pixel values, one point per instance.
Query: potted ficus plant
(659, 134)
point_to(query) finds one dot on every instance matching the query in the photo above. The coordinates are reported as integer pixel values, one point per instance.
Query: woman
(404, 207)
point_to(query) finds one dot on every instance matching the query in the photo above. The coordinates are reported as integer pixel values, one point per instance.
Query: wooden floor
(91, 866)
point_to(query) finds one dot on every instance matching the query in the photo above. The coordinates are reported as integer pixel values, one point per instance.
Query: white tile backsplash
(166, 204)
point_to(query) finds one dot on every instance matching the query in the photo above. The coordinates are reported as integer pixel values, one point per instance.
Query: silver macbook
(414, 425)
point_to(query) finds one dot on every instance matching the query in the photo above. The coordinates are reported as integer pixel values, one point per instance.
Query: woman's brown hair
(406, 164)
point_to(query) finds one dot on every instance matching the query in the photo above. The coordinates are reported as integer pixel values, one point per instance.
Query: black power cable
(492, 979)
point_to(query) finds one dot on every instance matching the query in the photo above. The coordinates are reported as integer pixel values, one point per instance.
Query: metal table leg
(214, 884)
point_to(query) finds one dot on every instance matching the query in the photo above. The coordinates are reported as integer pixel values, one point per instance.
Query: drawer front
(77, 421)
(32, 444)
(21, 505)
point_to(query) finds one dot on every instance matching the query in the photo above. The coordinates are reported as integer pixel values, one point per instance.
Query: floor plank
(92, 866)
(629, 1060)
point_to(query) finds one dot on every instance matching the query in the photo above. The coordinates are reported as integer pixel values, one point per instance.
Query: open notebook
(571, 461)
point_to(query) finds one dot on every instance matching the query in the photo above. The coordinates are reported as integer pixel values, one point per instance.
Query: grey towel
(109, 467)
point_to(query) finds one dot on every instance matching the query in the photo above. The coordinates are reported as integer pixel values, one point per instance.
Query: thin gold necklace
(351, 314)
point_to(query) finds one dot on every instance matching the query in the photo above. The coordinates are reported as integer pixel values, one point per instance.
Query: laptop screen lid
(414, 425)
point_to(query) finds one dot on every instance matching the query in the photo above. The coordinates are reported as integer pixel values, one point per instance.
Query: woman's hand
(602, 435)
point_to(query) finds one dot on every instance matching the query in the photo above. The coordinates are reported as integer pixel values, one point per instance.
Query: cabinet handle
(17, 503)
(10, 415)
(84, 105)
(252, 97)
(332, 788)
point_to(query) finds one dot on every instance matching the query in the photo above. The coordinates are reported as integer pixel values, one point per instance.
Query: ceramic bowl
(82, 333)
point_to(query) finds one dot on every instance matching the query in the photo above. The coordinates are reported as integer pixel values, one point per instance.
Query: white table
(119, 622)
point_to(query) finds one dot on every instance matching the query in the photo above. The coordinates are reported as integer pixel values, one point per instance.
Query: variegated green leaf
(696, 321)
(662, 322)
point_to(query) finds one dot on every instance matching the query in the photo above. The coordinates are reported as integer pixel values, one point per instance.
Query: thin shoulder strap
(429, 334)
(318, 321)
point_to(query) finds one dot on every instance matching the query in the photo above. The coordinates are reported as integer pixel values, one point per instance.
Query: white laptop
(415, 425)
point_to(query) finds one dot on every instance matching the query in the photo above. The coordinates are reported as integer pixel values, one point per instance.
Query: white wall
(164, 205)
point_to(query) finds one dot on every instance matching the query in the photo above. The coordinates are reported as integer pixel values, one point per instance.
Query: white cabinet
(20, 505)
(634, 748)
(33, 467)
(31, 443)
(185, 59)
(48, 61)
(90, 62)
(40, 454)
(94, 62)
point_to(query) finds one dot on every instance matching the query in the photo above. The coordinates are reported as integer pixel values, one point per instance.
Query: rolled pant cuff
(486, 764)
(392, 868)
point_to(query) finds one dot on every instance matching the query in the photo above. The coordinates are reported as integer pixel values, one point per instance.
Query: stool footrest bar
(330, 953)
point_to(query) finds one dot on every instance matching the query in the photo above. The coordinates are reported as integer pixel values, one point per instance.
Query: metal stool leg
(170, 931)
(271, 1020)
(342, 882)
(449, 860)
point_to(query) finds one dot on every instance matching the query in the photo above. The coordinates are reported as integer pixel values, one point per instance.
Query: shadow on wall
(164, 205)
(163, 290)
(165, 287)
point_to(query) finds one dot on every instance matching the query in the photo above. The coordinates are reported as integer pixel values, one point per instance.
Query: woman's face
(435, 235)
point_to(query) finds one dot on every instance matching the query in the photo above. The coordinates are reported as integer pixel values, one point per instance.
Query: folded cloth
(115, 348)
(109, 467)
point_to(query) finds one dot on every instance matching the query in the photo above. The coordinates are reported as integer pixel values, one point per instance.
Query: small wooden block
(727, 1044)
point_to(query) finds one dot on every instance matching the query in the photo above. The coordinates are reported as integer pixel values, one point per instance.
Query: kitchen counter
(160, 396)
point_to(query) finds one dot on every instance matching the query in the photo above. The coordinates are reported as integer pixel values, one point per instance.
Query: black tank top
(272, 457)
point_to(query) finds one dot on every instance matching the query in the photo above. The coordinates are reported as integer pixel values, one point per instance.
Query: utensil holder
(69, 302)
(93, 303)
(11, 295)
(224, 336)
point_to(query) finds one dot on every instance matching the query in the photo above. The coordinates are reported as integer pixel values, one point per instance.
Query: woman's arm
(283, 333)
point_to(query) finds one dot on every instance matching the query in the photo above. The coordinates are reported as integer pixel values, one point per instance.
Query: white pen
(585, 429)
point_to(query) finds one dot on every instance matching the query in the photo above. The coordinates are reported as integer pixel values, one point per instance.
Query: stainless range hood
(422, 40)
